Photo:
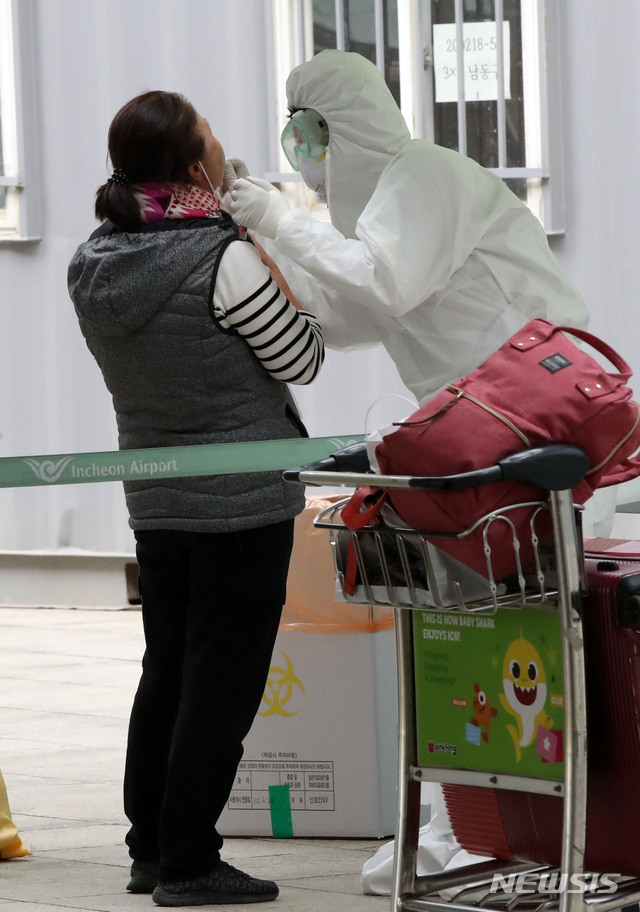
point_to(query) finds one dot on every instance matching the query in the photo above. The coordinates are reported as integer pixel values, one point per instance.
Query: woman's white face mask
(314, 174)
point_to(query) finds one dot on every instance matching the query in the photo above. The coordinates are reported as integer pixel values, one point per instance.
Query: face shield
(305, 136)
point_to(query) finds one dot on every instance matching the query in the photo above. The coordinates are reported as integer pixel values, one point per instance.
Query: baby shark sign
(490, 691)
(168, 462)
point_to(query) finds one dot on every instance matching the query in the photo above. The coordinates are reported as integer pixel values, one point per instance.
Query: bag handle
(357, 513)
(601, 346)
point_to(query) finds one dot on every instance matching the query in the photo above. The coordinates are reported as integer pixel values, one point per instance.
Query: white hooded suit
(427, 253)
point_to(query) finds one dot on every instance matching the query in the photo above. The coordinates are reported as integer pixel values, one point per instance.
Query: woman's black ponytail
(154, 137)
(116, 202)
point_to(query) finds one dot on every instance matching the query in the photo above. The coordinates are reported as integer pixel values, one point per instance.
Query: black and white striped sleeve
(288, 342)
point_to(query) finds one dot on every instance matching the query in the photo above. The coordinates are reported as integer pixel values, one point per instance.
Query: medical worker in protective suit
(427, 252)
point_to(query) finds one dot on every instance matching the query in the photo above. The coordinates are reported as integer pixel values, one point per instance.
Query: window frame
(290, 23)
(21, 182)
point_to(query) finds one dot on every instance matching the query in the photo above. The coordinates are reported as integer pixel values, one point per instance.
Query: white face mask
(214, 190)
(314, 174)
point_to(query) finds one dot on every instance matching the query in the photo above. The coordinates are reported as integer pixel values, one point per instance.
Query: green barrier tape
(168, 462)
(280, 806)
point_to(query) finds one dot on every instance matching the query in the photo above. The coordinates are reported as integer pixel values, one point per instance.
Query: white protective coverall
(427, 252)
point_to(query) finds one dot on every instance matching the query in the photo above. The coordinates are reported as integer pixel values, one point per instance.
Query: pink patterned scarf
(159, 201)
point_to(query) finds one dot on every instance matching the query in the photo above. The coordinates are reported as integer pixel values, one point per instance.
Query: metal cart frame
(469, 887)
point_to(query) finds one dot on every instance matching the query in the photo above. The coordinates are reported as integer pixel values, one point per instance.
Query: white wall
(92, 56)
(601, 86)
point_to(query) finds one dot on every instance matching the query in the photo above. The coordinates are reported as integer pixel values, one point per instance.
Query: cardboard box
(321, 757)
(326, 736)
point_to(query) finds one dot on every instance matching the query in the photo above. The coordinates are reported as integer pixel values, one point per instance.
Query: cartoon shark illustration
(525, 692)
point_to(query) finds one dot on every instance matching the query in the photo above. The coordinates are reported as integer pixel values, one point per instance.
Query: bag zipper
(463, 394)
(619, 444)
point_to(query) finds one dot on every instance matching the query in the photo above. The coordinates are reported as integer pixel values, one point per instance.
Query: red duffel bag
(538, 388)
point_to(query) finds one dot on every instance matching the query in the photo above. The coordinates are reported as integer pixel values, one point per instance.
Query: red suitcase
(525, 826)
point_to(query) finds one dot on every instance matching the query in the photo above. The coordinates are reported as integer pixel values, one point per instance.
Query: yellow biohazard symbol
(282, 685)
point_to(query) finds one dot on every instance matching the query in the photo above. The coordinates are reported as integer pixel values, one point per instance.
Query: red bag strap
(360, 510)
(351, 571)
(357, 513)
(599, 345)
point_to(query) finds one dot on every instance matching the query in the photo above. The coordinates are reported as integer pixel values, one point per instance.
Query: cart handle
(557, 467)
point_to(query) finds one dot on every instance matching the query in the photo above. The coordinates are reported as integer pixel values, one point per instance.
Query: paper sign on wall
(480, 61)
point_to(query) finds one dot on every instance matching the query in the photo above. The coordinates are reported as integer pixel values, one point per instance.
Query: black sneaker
(144, 877)
(225, 884)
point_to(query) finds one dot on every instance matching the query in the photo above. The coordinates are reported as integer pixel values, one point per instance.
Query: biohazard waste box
(321, 756)
(490, 691)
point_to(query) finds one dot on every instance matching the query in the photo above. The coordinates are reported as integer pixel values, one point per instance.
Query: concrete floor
(67, 679)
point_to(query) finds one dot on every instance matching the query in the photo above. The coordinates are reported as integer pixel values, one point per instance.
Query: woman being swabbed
(196, 344)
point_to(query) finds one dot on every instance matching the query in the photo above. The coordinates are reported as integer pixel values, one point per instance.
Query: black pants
(211, 605)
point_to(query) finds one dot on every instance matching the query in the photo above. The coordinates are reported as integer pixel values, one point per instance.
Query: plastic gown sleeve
(344, 328)
(418, 228)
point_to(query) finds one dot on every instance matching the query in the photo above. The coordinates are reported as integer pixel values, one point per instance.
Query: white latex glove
(233, 169)
(257, 205)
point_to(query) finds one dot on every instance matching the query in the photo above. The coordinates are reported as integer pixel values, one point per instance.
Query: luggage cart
(398, 568)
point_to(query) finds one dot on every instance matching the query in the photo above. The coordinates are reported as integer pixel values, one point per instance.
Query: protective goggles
(305, 135)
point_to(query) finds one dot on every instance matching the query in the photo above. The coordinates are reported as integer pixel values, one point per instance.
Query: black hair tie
(119, 177)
